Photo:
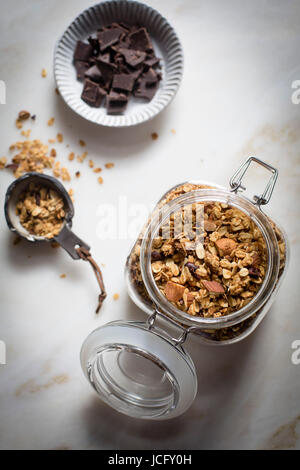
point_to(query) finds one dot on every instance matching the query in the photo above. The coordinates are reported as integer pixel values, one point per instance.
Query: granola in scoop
(41, 211)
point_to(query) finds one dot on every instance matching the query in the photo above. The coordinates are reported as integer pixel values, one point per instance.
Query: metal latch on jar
(185, 330)
(236, 180)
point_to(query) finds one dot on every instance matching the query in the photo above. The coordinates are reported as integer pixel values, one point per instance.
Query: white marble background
(240, 61)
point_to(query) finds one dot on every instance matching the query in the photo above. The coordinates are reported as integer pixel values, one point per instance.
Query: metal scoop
(76, 247)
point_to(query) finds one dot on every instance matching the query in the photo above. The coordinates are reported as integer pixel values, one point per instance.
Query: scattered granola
(51, 121)
(109, 165)
(26, 133)
(31, 156)
(3, 161)
(82, 157)
(116, 296)
(60, 138)
(154, 136)
(97, 170)
(65, 175)
(82, 143)
(71, 156)
(41, 211)
(44, 73)
(77, 174)
(23, 115)
(100, 180)
(63, 276)
(91, 164)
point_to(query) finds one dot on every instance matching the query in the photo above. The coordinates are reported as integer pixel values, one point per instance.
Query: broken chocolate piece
(123, 82)
(109, 37)
(133, 57)
(140, 40)
(94, 74)
(83, 51)
(107, 70)
(116, 102)
(152, 61)
(150, 77)
(95, 45)
(145, 91)
(92, 94)
(81, 68)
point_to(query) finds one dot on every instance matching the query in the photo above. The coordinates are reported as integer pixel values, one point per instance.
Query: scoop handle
(70, 242)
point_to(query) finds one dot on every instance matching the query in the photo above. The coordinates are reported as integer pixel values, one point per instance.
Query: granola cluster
(213, 269)
(41, 211)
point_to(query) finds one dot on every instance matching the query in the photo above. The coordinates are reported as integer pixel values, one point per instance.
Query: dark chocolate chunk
(95, 45)
(94, 74)
(109, 37)
(81, 68)
(116, 103)
(107, 70)
(92, 93)
(145, 91)
(150, 76)
(140, 40)
(132, 57)
(83, 51)
(123, 82)
(152, 61)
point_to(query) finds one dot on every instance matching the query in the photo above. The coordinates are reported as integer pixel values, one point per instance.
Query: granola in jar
(215, 277)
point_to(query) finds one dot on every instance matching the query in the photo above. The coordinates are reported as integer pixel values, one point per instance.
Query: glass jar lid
(139, 371)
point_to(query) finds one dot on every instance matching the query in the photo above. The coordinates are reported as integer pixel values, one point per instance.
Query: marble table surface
(241, 60)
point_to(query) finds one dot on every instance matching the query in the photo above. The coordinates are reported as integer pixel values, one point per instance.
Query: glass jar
(140, 368)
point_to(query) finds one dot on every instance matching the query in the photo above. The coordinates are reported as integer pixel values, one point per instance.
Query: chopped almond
(225, 246)
(213, 287)
(188, 298)
(173, 291)
(209, 226)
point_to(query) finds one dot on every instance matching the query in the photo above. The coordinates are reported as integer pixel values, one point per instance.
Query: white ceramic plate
(166, 45)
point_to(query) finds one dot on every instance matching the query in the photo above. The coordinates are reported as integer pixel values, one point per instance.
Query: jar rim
(257, 216)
